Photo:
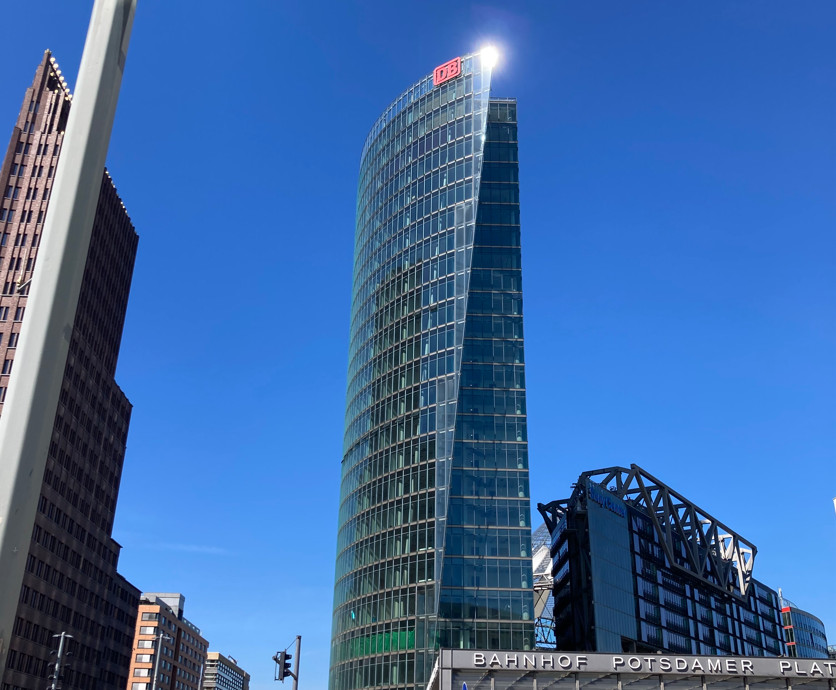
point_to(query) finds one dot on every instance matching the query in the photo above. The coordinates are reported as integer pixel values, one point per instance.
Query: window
(145, 644)
(147, 630)
(150, 616)
(4, 313)
(2, 394)
(7, 366)
(12, 339)
(18, 313)
(139, 686)
(144, 658)
(142, 672)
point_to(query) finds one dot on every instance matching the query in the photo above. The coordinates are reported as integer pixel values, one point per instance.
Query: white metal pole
(32, 398)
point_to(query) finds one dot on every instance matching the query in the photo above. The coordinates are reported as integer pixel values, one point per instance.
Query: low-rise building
(224, 673)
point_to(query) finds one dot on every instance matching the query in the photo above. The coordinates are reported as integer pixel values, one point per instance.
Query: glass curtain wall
(486, 596)
(404, 469)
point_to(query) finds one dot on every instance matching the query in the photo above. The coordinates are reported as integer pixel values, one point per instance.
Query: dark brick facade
(71, 583)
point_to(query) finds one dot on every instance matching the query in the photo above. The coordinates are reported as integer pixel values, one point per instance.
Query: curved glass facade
(434, 542)
(804, 633)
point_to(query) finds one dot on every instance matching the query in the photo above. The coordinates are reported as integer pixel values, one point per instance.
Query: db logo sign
(447, 71)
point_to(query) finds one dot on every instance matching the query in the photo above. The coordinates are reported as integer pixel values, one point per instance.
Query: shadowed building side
(71, 583)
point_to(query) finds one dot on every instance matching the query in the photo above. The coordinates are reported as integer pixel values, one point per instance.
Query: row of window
(65, 583)
(19, 170)
(396, 542)
(376, 225)
(485, 604)
(391, 153)
(8, 215)
(25, 148)
(388, 492)
(368, 466)
(428, 174)
(415, 568)
(496, 512)
(397, 250)
(419, 99)
(13, 193)
(382, 638)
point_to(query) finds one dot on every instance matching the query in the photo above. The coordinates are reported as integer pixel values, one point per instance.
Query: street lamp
(56, 673)
(157, 651)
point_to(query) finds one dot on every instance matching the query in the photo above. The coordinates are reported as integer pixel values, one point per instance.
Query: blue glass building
(804, 632)
(639, 568)
(434, 542)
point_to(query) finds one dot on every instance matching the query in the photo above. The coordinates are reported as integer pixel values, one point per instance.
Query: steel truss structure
(693, 540)
(544, 637)
(543, 585)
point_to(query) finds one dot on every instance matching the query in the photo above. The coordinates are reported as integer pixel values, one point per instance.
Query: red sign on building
(447, 71)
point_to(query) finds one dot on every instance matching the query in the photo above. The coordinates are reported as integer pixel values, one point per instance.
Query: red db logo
(447, 71)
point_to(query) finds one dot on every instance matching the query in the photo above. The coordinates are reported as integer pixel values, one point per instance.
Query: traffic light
(283, 669)
(282, 660)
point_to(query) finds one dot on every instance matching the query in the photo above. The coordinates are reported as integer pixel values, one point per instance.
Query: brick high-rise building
(71, 583)
(162, 629)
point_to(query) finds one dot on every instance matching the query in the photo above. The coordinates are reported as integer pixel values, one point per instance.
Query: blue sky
(678, 213)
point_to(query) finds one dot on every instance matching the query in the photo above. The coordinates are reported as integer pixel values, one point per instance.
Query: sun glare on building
(490, 56)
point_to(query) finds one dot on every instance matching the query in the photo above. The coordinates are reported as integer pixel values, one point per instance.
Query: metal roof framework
(714, 553)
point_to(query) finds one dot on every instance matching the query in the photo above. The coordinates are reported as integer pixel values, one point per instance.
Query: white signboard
(572, 662)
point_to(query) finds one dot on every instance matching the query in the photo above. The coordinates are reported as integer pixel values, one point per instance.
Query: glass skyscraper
(434, 543)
